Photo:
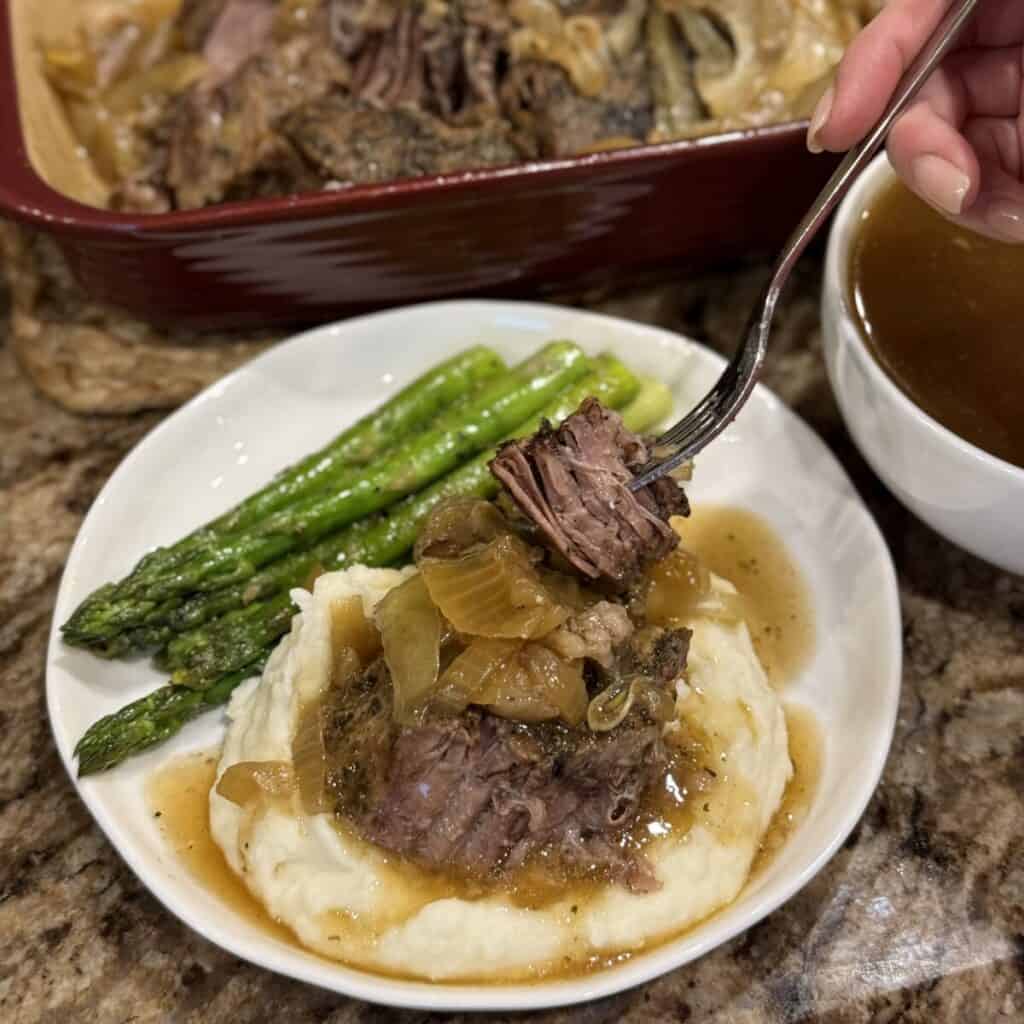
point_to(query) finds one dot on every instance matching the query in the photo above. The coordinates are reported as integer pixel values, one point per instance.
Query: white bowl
(233, 437)
(969, 496)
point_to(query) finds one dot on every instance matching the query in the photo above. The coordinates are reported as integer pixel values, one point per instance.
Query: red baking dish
(533, 228)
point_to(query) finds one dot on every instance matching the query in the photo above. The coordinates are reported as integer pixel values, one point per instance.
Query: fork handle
(920, 69)
(717, 409)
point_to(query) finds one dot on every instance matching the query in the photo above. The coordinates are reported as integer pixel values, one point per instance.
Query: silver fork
(720, 405)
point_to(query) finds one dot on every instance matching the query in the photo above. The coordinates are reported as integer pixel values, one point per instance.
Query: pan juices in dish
(542, 747)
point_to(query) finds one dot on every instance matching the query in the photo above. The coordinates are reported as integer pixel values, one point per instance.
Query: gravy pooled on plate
(942, 309)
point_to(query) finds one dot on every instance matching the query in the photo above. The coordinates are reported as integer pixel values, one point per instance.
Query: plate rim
(473, 996)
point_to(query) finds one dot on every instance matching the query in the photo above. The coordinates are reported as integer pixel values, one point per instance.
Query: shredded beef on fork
(573, 483)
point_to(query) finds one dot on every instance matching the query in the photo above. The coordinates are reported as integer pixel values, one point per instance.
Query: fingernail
(1007, 220)
(941, 183)
(819, 119)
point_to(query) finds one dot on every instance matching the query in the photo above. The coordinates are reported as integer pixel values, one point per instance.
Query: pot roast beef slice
(352, 22)
(449, 781)
(195, 20)
(483, 49)
(226, 32)
(592, 633)
(573, 483)
(389, 69)
(440, 58)
(655, 652)
(348, 141)
(241, 30)
(480, 794)
(223, 140)
(540, 98)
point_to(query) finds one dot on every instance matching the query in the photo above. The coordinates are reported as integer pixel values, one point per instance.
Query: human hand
(960, 145)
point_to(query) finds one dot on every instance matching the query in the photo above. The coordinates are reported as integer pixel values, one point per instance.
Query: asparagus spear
(153, 618)
(413, 407)
(650, 408)
(236, 557)
(155, 718)
(201, 655)
(377, 541)
(152, 719)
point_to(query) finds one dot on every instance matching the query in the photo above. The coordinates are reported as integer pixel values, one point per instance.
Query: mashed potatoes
(354, 902)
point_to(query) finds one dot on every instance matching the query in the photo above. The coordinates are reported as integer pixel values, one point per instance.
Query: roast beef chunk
(593, 633)
(655, 652)
(540, 98)
(573, 483)
(440, 58)
(346, 140)
(487, 29)
(226, 141)
(480, 794)
(196, 19)
(389, 70)
(352, 22)
(240, 31)
(590, 797)
(446, 799)
(283, 112)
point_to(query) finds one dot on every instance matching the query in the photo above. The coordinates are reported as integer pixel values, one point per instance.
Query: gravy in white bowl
(942, 309)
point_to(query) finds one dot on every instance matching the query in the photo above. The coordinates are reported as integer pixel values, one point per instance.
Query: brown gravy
(806, 751)
(179, 799)
(743, 548)
(697, 788)
(942, 310)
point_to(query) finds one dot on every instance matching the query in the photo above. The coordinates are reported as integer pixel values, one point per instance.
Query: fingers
(870, 71)
(991, 80)
(998, 215)
(997, 143)
(959, 147)
(930, 154)
(998, 22)
(998, 210)
(973, 177)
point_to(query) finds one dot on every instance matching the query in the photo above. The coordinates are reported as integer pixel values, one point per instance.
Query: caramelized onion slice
(522, 681)
(541, 15)
(610, 707)
(576, 43)
(309, 758)
(459, 526)
(350, 628)
(681, 590)
(624, 30)
(412, 631)
(355, 642)
(567, 590)
(248, 781)
(494, 592)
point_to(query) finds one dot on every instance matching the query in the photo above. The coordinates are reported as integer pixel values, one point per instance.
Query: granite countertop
(918, 919)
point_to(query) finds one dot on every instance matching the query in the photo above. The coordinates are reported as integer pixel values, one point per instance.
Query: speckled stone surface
(918, 919)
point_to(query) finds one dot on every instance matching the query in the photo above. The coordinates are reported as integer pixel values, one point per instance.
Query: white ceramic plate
(233, 437)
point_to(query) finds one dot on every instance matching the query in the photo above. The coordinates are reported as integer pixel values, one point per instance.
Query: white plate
(233, 437)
